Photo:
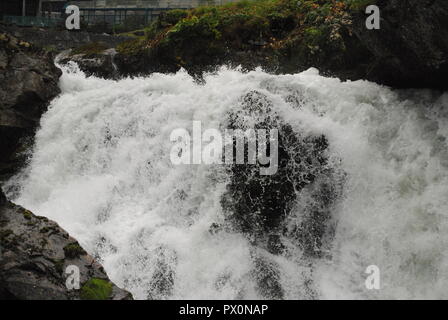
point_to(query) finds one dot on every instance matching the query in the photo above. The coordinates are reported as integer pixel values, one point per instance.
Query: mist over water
(101, 169)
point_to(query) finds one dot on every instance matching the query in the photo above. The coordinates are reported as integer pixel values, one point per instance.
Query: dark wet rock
(411, 48)
(57, 40)
(262, 206)
(100, 64)
(289, 209)
(267, 278)
(28, 81)
(35, 253)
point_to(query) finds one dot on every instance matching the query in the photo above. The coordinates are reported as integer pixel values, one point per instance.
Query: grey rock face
(35, 253)
(411, 47)
(28, 81)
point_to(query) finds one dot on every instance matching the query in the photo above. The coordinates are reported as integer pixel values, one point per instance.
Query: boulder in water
(260, 205)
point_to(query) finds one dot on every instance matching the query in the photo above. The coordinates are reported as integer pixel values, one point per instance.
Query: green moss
(27, 214)
(133, 34)
(8, 239)
(49, 229)
(44, 219)
(50, 48)
(131, 47)
(44, 230)
(173, 16)
(90, 48)
(96, 289)
(5, 233)
(74, 250)
(59, 265)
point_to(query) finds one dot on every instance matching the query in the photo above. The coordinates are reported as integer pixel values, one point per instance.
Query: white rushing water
(101, 169)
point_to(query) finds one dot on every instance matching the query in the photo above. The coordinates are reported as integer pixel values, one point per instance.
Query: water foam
(101, 169)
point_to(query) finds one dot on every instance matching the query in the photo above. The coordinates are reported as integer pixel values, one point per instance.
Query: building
(42, 13)
(144, 3)
(46, 13)
(116, 12)
(30, 8)
(54, 5)
(19, 7)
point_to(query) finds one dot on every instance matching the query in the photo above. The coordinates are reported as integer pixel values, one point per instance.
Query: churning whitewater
(101, 168)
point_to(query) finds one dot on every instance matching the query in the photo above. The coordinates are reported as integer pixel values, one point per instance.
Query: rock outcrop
(100, 64)
(34, 251)
(409, 50)
(28, 81)
(411, 47)
(57, 40)
(264, 207)
(35, 254)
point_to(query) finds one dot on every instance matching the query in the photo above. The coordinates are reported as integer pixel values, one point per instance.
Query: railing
(112, 16)
(116, 16)
(32, 21)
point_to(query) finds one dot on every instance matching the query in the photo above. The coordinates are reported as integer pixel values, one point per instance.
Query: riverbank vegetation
(271, 33)
(290, 36)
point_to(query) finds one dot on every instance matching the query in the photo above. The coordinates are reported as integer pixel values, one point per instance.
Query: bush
(173, 16)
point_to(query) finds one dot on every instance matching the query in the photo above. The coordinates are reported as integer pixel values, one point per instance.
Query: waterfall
(101, 168)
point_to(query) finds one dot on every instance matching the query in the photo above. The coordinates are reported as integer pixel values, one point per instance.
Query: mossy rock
(74, 250)
(59, 265)
(44, 230)
(4, 234)
(27, 214)
(8, 239)
(302, 32)
(96, 289)
(90, 48)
